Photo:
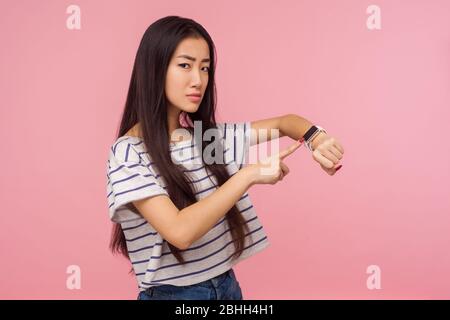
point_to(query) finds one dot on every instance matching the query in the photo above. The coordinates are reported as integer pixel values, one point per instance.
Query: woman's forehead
(193, 48)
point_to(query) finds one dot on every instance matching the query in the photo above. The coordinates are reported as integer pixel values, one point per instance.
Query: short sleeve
(237, 139)
(127, 181)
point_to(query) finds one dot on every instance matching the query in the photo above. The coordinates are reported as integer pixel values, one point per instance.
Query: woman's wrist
(317, 140)
(248, 174)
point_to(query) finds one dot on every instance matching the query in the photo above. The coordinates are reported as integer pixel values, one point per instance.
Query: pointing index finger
(284, 153)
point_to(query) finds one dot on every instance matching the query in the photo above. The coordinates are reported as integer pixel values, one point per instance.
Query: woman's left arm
(327, 150)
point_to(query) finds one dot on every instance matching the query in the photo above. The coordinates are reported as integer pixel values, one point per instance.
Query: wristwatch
(311, 134)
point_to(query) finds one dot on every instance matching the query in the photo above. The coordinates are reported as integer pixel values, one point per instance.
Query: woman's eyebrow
(191, 58)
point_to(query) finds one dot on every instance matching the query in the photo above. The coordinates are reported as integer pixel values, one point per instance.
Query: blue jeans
(222, 287)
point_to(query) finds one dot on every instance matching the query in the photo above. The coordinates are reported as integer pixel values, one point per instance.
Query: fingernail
(339, 167)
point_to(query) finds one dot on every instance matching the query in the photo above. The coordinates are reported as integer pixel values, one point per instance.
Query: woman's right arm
(197, 219)
(183, 227)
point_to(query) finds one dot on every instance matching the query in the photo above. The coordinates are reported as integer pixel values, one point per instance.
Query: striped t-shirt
(131, 176)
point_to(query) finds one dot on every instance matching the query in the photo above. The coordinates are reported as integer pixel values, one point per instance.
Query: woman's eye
(186, 64)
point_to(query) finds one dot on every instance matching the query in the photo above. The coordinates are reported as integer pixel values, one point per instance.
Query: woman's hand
(328, 152)
(271, 170)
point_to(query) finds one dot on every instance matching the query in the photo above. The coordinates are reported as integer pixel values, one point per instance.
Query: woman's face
(187, 76)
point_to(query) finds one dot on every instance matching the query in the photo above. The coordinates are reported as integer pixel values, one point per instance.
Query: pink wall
(383, 93)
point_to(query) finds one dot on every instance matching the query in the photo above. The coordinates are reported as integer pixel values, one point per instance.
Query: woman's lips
(194, 98)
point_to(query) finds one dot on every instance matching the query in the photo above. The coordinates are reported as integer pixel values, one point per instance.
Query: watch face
(310, 132)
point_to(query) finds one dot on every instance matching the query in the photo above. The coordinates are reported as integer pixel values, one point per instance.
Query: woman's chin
(190, 109)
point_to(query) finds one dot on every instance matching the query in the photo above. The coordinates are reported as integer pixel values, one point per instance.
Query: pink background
(384, 94)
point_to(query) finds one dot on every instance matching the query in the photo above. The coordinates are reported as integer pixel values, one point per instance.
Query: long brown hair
(146, 103)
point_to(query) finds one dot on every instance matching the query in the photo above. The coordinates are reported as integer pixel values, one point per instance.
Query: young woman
(183, 220)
